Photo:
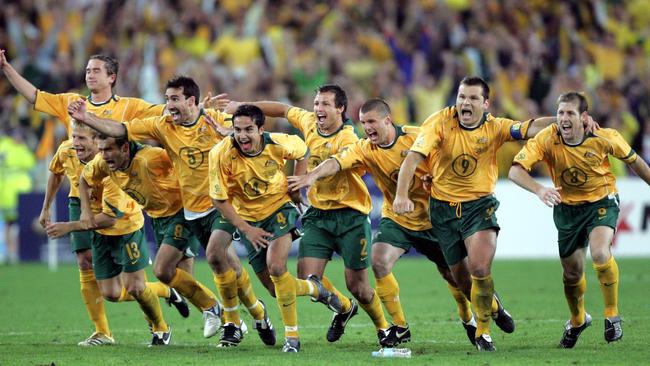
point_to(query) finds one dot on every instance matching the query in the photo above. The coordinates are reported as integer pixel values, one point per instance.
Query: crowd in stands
(411, 53)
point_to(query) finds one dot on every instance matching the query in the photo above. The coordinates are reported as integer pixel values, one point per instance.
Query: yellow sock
(305, 288)
(94, 301)
(388, 291)
(227, 284)
(159, 289)
(345, 301)
(151, 308)
(608, 277)
(191, 289)
(375, 312)
(285, 293)
(463, 305)
(575, 297)
(482, 296)
(247, 296)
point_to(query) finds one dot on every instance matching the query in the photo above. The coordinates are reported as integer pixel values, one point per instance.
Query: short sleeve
(532, 152)
(620, 149)
(143, 129)
(300, 118)
(351, 157)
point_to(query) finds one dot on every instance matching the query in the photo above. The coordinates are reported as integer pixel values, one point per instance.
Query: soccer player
(119, 251)
(382, 154)
(337, 220)
(585, 205)
(464, 139)
(147, 175)
(248, 186)
(187, 136)
(101, 77)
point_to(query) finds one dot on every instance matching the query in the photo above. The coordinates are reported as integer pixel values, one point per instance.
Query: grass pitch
(42, 318)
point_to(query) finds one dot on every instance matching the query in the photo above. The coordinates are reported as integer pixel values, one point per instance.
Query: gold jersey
(109, 199)
(149, 179)
(582, 170)
(65, 162)
(256, 186)
(384, 163)
(345, 188)
(116, 108)
(188, 147)
(465, 166)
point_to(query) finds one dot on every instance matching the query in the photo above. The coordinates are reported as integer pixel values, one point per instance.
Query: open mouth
(372, 135)
(565, 127)
(245, 145)
(320, 117)
(176, 115)
(466, 113)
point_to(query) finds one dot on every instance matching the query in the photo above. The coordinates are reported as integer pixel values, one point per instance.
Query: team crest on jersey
(482, 140)
(107, 112)
(403, 153)
(591, 157)
(270, 168)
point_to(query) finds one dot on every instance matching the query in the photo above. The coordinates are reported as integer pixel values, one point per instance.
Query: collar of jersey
(398, 132)
(345, 122)
(266, 138)
(90, 100)
(483, 119)
(201, 113)
(584, 138)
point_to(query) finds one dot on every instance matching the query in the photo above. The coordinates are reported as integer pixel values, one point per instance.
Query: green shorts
(344, 231)
(281, 222)
(424, 242)
(113, 255)
(453, 224)
(79, 240)
(575, 222)
(173, 230)
(203, 227)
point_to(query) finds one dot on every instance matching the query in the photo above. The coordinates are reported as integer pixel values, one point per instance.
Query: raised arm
(402, 203)
(549, 195)
(53, 184)
(258, 237)
(24, 87)
(641, 169)
(270, 109)
(325, 169)
(108, 127)
(539, 124)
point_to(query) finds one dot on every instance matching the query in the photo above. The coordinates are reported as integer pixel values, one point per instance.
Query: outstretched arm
(108, 127)
(641, 168)
(24, 87)
(59, 229)
(325, 169)
(270, 109)
(549, 195)
(258, 237)
(402, 203)
(539, 124)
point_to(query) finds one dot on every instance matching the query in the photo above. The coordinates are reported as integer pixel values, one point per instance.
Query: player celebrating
(382, 154)
(585, 205)
(119, 249)
(249, 188)
(465, 139)
(187, 137)
(147, 175)
(337, 220)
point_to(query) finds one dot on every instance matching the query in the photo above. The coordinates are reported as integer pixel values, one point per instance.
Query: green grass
(42, 319)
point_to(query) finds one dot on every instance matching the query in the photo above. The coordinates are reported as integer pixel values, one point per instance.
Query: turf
(42, 319)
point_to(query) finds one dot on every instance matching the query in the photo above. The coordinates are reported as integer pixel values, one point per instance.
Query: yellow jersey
(256, 185)
(149, 179)
(384, 163)
(65, 162)
(188, 147)
(116, 108)
(465, 166)
(345, 188)
(581, 170)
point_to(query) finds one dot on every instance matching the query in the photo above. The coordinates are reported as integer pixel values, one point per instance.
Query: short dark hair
(574, 96)
(251, 111)
(190, 88)
(119, 141)
(340, 98)
(474, 81)
(111, 65)
(376, 104)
